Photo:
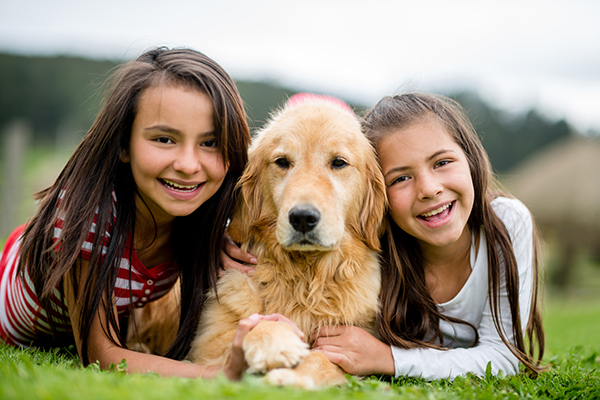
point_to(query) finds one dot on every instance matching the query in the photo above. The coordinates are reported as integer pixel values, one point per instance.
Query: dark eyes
(207, 143)
(282, 162)
(210, 143)
(404, 178)
(400, 179)
(164, 140)
(339, 163)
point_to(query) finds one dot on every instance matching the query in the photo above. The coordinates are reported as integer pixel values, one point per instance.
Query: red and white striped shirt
(23, 322)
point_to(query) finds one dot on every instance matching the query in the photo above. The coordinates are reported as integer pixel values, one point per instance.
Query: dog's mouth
(306, 243)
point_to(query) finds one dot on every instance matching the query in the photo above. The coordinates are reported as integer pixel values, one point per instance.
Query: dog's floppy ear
(249, 204)
(374, 204)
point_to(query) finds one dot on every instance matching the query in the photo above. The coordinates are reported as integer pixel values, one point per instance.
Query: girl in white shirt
(460, 270)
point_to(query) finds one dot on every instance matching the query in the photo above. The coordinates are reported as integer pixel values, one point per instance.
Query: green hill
(60, 96)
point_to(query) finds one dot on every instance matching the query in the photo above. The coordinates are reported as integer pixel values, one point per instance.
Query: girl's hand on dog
(232, 257)
(281, 318)
(355, 350)
(237, 363)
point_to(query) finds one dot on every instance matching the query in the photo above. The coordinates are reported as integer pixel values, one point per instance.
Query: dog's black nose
(304, 219)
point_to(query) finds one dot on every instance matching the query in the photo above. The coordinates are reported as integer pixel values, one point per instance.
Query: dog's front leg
(219, 319)
(272, 344)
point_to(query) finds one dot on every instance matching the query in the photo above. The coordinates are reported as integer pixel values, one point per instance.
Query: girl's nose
(430, 187)
(187, 161)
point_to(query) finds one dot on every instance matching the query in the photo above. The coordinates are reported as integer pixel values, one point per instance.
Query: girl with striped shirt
(143, 202)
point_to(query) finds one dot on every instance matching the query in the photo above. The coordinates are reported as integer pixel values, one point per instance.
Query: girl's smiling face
(173, 152)
(429, 184)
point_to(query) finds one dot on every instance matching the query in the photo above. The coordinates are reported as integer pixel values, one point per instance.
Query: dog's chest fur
(333, 288)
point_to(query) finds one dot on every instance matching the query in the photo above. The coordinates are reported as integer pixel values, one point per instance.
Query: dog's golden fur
(311, 159)
(152, 329)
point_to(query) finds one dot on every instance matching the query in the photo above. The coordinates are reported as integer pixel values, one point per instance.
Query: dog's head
(312, 178)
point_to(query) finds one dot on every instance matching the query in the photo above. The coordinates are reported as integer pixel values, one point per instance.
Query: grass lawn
(573, 356)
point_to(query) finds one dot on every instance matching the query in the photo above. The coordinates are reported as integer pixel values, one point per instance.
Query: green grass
(572, 323)
(573, 357)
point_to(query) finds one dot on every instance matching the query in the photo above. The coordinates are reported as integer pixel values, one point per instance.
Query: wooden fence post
(15, 140)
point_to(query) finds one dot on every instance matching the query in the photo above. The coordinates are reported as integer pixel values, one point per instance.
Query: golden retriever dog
(311, 205)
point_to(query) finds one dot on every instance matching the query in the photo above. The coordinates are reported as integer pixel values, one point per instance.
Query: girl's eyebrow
(431, 157)
(439, 152)
(168, 129)
(163, 128)
(396, 169)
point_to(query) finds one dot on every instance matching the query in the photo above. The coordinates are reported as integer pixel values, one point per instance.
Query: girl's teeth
(176, 186)
(434, 212)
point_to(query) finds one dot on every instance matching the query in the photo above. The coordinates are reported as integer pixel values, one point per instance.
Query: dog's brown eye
(338, 163)
(282, 162)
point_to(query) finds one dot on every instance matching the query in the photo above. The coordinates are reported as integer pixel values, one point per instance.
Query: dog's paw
(289, 377)
(273, 345)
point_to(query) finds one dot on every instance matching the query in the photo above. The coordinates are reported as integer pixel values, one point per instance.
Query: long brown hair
(409, 316)
(95, 170)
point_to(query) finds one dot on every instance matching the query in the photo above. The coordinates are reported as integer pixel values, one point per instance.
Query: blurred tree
(509, 140)
(260, 99)
(48, 91)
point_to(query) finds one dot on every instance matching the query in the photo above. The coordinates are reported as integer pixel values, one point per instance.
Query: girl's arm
(101, 348)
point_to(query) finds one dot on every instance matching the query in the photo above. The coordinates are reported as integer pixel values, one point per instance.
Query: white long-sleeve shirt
(471, 304)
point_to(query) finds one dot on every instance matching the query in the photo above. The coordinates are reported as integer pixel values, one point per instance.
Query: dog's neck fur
(331, 288)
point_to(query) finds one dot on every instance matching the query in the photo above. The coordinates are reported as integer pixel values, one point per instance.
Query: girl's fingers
(281, 318)
(331, 341)
(329, 345)
(333, 356)
(329, 331)
(235, 253)
(232, 257)
(246, 324)
(228, 263)
(336, 355)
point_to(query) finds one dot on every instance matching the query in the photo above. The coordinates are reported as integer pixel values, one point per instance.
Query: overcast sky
(515, 53)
